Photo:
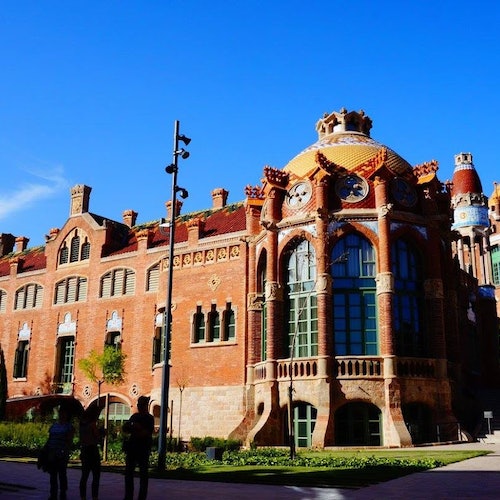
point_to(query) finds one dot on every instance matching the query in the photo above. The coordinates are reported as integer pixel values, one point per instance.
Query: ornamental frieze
(203, 257)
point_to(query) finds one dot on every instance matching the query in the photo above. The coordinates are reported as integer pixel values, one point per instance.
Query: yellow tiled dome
(344, 140)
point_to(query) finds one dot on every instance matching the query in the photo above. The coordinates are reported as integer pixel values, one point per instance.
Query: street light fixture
(170, 169)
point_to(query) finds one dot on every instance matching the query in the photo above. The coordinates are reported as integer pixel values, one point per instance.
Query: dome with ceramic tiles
(470, 206)
(465, 178)
(344, 140)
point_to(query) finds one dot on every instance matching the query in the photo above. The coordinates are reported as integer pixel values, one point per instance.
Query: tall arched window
(214, 324)
(261, 288)
(301, 308)
(75, 248)
(199, 325)
(354, 297)
(408, 300)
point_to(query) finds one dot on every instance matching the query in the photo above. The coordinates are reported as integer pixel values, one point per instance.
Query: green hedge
(202, 443)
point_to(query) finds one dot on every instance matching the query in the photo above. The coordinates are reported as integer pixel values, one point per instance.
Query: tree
(109, 367)
(3, 386)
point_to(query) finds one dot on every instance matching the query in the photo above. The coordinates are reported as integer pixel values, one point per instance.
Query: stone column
(324, 280)
(385, 279)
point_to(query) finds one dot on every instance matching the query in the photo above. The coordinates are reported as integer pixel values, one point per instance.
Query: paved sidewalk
(474, 478)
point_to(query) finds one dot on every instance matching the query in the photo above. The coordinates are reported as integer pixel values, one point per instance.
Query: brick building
(340, 279)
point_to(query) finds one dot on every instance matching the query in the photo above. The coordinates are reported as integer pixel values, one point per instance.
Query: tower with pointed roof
(470, 219)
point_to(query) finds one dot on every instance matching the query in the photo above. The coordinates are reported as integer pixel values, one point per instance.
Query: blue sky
(90, 91)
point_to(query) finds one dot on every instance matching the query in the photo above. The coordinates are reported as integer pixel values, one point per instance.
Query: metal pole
(162, 438)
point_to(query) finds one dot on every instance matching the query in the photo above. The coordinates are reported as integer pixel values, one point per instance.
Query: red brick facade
(232, 272)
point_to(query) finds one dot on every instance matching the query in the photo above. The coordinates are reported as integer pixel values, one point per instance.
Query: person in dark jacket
(139, 429)
(90, 439)
(59, 444)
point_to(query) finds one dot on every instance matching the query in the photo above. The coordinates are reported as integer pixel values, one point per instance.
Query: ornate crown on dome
(344, 121)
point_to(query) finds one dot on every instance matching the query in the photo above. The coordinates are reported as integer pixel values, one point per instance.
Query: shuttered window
(71, 289)
(29, 297)
(75, 249)
(64, 255)
(153, 278)
(118, 282)
(85, 250)
(3, 300)
(129, 288)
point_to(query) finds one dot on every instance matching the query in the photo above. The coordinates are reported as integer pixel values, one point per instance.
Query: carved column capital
(324, 283)
(255, 301)
(385, 210)
(274, 291)
(385, 283)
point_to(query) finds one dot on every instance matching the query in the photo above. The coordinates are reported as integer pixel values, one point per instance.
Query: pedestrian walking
(90, 440)
(59, 445)
(137, 446)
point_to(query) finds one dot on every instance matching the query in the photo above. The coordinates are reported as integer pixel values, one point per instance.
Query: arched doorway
(304, 420)
(358, 424)
(418, 420)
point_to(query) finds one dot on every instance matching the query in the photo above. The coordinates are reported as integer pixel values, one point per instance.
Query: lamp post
(170, 169)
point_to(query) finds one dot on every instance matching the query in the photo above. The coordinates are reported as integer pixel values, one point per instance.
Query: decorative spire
(344, 121)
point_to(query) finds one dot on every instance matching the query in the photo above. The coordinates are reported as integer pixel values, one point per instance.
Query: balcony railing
(416, 367)
(359, 367)
(302, 368)
(346, 367)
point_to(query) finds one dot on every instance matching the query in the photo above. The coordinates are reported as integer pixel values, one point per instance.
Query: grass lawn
(341, 477)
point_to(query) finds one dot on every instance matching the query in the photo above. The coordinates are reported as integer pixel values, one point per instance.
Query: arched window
(118, 282)
(153, 278)
(71, 289)
(85, 253)
(261, 288)
(214, 324)
(75, 248)
(358, 424)
(354, 297)
(199, 325)
(21, 359)
(229, 323)
(408, 300)
(3, 301)
(301, 309)
(64, 254)
(29, 296)
(65, 364)
(159, 339)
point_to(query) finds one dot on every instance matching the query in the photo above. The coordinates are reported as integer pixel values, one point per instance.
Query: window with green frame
(199, 325)
(495, 262)
(229, 321)
(263, 325)
(21, 359)
(213, 324)
(301, 303)
(66, 352)
(354, 297)
(408, 300)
